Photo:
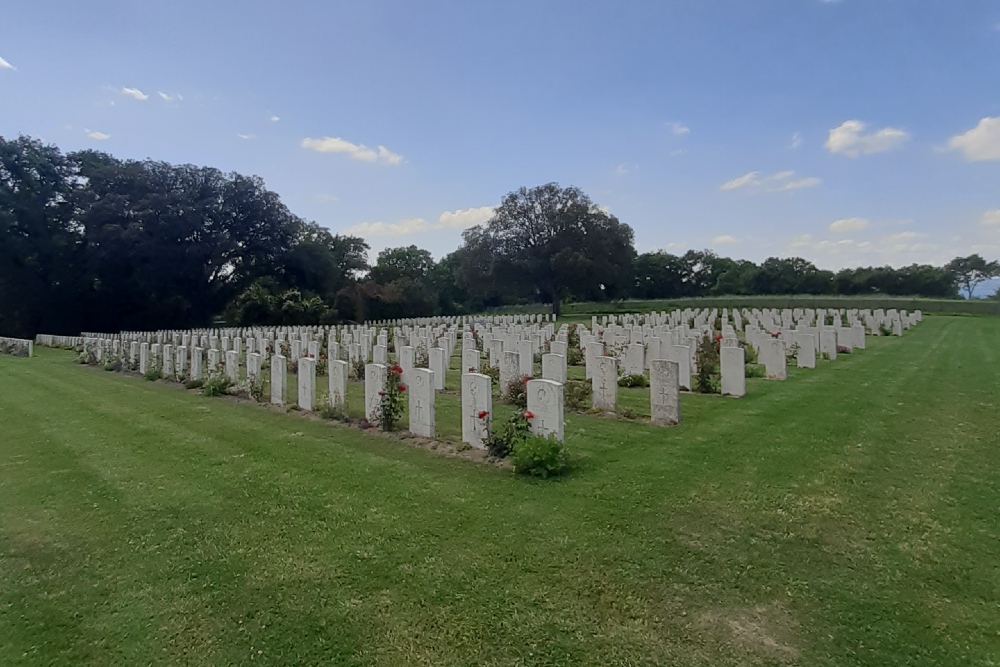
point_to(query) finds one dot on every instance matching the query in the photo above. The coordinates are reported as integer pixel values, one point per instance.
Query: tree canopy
(89, 242)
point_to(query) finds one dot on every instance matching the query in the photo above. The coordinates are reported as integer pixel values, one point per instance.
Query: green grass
(847, 516)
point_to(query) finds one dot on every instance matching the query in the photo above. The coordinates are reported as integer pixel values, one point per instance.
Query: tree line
(89, 242)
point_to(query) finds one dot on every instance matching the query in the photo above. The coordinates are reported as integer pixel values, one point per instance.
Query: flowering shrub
(577, 393)
(708, 380)
(843, 349)
(516, 392)
(390, 407)
(516, 429)
(633, 381)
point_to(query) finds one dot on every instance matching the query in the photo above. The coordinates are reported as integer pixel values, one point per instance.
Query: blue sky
(854, 132)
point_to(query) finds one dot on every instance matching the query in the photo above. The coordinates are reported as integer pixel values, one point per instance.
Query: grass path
(848, 516)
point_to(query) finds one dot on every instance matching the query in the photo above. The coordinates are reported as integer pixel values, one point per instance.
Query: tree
(971, 271)
(553, 242)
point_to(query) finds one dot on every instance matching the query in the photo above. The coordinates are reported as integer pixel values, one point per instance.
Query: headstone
(197, 363)
(279, 379)
(477, 398)
(664, 392)
(380, 354)
(233, 365)
(253, 367)
(526, 358)
(604, 382)
(773, 353)
(805, 355)
(307, 383)
(144, 358)
(545, 403)
(554, 368)
(509, 368)
(168, 361)
(470, 360)
(337, 371)
(682, 355)
(828, 343)
(374, 387)
(438, 363)
(733, 369)
(634, 359)
(421, 390)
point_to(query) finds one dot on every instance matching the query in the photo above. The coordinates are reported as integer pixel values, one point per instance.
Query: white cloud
(246, 137)
(905, 236)
(169, 98)
(354, 151)
(991, 218)
(725, 239)
(275, 119)
(796, 141)
(327, 199)
(679, 129)
(782, 181)
(135, 93)
(97, 136)
(6, 65)
(981, 142)
(621, 170)
(401, 228)
(847, 139)
(448, 220)
(848, 225)
(463, 219)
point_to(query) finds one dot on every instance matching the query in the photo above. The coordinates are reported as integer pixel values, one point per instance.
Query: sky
(847, 132)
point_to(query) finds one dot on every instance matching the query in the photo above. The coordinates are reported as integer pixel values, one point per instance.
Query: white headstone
(545, 403)
(437, 360)
(805, 356)
(337, 371)
(664, 392)
(233, 365)
(374, 387)
(279, 379)
(509, 369)
(197, 362)
(307, 383)
(554, 368)
(604, 383)
(421, 391)
(477, 398)
(732, 366)
(470, 360)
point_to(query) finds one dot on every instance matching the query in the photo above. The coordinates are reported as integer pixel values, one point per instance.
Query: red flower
(718, 336)
(775, 334)
(528, 414)
(312, 356)
(484, 414)
(381, 393)
(402, 387)
(395, 368)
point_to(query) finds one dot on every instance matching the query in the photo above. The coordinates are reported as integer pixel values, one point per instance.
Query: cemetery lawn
(847, 516)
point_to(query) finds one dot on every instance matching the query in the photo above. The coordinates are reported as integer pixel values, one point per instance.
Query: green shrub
(516, 392)
(493, 372)
(577, 393)
(633, 381)
(217, 385)
(516, 429)
(154, 374)
(755, 371)
(574, 356)
(194, 384)
(540, 457)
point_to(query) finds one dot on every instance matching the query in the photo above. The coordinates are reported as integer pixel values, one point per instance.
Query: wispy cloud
(796, 141)
(246, 137)
(991, 218)
(135, 94)
(725, 239)
(97, 136)
(678, 129)
(981, 142)
(448, 220)
(782, 181)
(6, 65)
(275, 119)
(169, 98)
(848, 139)
(848, 225)
(354, 151)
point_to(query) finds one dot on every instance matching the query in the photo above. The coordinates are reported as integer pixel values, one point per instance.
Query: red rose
(718, 336)
(402, 387)
(381, 393)
(529, 415)
(484, 414)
